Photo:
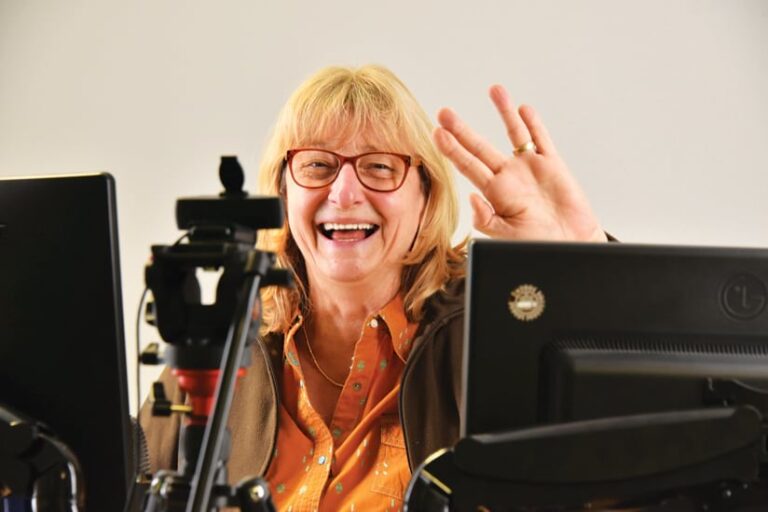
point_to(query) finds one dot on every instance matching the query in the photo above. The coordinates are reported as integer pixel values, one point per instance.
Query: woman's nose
(346, 190)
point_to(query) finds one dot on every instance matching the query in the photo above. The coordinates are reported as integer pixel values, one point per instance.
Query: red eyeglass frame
(343, 159)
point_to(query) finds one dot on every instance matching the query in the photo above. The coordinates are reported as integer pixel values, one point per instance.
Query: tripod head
(221, 233)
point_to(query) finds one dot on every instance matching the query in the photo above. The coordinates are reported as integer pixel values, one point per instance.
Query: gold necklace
(314, 360)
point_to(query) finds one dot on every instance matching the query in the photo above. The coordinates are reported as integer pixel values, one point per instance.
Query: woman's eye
(379, 167)
(317, 165)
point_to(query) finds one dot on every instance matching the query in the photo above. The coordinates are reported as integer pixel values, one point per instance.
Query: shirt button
(321, 460)
(373, 323)
(357, 386)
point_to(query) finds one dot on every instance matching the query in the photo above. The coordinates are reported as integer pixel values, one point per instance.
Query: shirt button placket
(320, 473)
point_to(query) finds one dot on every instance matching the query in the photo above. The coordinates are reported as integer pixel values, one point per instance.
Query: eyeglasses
(378, 171)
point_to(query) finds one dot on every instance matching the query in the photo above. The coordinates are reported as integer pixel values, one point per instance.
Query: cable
(137, 432)
(178, 240)
(137, 396)
(142, 300)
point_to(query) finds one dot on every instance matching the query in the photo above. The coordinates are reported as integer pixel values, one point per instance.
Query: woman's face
(348, 233)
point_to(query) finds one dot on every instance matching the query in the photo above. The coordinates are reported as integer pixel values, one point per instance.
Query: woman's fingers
(470, 140)
(482, 213)
(468, 164)
(525, 195)
(516, 129)
(538, 131)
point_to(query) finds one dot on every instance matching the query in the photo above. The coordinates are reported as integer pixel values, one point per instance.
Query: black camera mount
(207, 342)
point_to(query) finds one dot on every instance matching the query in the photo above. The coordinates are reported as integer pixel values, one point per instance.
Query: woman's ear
(426, 182)
(283, 187)
(425, 189)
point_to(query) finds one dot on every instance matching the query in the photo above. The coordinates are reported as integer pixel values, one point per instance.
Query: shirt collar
(400, 330)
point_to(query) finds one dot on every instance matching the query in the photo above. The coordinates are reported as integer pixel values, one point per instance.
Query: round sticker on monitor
(526, 302)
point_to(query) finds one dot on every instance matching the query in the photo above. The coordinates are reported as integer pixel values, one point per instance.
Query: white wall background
(659, 106)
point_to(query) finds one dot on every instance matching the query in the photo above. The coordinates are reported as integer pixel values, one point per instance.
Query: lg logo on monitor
(744, 297)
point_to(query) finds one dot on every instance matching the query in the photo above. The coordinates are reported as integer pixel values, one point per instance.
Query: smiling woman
(356, 377)
(372, 109)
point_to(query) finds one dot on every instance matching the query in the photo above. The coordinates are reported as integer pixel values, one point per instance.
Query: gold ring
(522, 148)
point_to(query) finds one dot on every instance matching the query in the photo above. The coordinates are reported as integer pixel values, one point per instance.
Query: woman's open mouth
(347, 232)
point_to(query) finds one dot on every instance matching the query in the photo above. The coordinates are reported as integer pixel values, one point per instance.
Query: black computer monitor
(62, 358)
(609, 376)
(565, 332)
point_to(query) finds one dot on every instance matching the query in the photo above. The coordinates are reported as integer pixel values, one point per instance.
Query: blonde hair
(345, 102)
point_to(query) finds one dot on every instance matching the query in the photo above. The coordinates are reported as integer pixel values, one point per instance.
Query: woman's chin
(351, 272)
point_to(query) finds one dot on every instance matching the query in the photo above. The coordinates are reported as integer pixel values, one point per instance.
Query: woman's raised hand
(527, 194)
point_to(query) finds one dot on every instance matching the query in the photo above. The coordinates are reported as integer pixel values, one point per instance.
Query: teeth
(331, 226)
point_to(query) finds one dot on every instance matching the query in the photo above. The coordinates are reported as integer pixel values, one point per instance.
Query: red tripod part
(200, 386)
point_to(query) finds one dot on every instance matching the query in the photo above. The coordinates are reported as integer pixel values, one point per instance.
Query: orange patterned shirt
(358, 463)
